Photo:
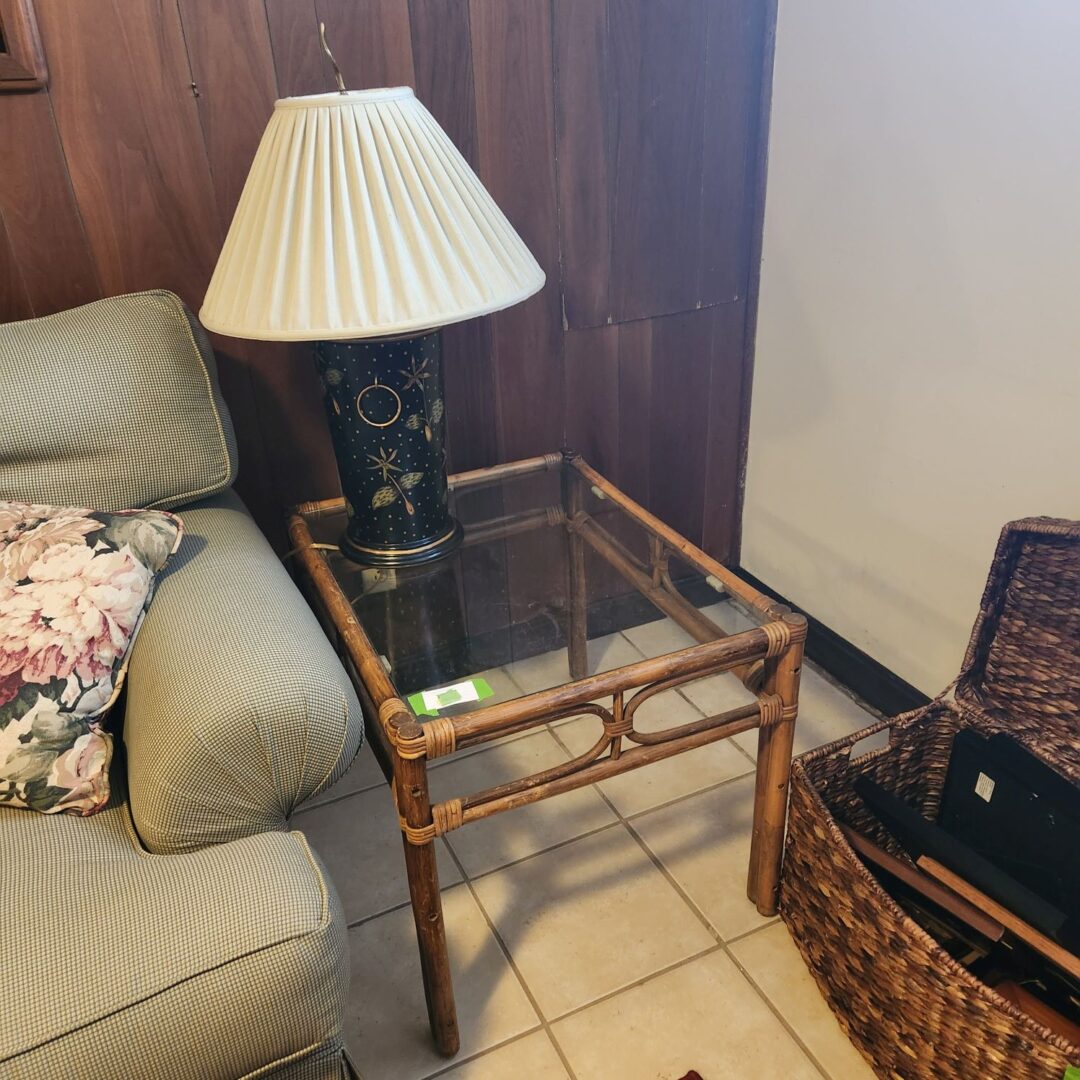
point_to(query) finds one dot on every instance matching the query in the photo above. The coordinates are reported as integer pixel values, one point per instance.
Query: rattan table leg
(773, 772)
(414, 806)
(578, 644)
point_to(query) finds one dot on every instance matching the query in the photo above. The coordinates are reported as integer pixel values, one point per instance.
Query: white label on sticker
(984, 787)
(450, 695)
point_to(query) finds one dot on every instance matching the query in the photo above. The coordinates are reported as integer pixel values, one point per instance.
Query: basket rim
(912, 928)
(900, 722)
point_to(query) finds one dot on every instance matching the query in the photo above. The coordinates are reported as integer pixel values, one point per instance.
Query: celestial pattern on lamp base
(384, 404)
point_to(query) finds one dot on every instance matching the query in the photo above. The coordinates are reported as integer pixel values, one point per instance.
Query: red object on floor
(692, 1075)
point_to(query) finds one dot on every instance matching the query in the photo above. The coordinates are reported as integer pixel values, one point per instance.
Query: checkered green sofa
(183, 931)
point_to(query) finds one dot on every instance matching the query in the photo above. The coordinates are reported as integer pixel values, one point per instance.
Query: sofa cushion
(114, 404)
(74, 587)
(238, 709)
(122, 964)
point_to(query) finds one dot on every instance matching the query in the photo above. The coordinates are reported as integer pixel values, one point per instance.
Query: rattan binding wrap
(912, 1010)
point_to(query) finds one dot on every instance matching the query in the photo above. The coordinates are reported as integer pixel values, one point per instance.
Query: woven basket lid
(1022, 666)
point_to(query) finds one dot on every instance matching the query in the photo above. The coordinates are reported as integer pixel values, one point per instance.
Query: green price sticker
(432, 702)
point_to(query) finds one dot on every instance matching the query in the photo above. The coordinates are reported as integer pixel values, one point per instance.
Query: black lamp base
(384, 404)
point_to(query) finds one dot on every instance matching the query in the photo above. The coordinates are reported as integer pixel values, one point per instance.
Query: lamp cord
(318, 547)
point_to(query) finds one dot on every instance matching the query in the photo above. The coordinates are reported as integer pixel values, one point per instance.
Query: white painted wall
(917, 373)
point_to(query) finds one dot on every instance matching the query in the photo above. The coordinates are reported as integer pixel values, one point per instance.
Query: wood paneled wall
(621, 137)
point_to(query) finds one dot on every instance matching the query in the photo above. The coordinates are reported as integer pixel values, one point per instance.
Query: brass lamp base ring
(404, 556)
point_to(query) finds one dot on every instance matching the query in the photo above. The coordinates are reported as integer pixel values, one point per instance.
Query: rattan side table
(553, 555)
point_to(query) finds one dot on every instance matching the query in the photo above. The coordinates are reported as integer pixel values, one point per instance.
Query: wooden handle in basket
(1027, 933)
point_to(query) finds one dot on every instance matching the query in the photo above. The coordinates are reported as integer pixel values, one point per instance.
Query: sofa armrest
(238, 709)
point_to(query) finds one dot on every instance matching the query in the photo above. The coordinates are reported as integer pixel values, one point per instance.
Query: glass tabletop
(546, 554)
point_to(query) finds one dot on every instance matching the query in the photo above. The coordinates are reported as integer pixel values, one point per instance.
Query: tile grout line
(620, 820)
(715, 947)
(652, 857)
(310, 808)
(685, 798)
(775, 1010)
(371, 916)
(365, 919)
(546, 1025)
(451, 1066)
(449, 760)
(721, 943)
(467, 881)
(725, 946)
(751, 932)
(845, 690)
(543, 851)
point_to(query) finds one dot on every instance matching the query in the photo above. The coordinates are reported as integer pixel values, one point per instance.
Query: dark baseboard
(862, 674)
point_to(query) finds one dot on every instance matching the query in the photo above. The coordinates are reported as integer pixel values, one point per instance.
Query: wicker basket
(910, 1009)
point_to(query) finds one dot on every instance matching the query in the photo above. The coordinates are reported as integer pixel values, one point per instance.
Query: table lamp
(363, 229)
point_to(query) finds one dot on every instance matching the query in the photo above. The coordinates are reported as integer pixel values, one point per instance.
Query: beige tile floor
(604, 934)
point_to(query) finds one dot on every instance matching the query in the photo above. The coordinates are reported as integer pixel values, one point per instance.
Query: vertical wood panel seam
(613, 151)
(17, 278)
(558, 240)
(703, 248)
(706, 487)
(191, 81)
(223, 227)
(93, 263)
(496, 382)
(273, 51)
(564, 325)
(558, 185)
(611, 158)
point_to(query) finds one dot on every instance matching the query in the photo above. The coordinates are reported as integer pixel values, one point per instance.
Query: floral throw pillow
(74, 586)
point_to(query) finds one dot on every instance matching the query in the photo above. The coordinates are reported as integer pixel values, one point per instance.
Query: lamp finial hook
(326, 49)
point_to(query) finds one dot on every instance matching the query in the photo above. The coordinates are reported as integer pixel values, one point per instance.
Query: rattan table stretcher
(767, 658)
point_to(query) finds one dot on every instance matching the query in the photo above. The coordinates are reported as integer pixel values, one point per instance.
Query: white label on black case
(984, 787)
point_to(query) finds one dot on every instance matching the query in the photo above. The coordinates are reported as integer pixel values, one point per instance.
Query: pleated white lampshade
(360, 219)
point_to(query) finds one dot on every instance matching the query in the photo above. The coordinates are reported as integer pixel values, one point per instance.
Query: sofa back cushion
(112, 405)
